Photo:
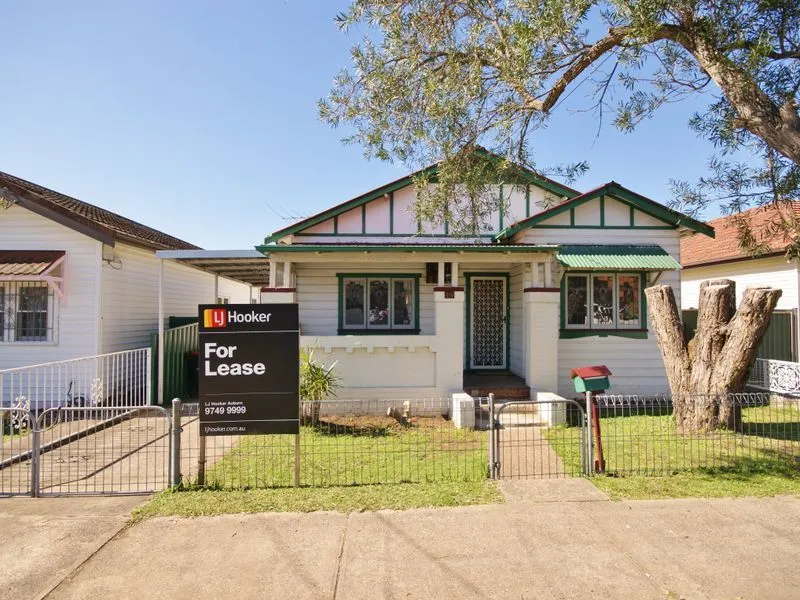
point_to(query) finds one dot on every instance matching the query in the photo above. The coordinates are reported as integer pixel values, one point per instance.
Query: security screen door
(488, 323)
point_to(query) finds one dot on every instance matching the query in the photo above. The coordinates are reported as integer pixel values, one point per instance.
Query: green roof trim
(526, 176)
(497, 248)
(617, 258)
(624, 195)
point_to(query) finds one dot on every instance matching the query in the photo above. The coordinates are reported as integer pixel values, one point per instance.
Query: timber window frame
(603, 303)
(378, 303)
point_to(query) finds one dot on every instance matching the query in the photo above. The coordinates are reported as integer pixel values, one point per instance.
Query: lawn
(195, 503)
(356, 451)
(645, 457)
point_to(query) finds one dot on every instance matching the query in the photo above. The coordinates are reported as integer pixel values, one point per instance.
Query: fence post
(35, 456)
(589, 425)
(175, 444)
(201, 461)
(492, 435)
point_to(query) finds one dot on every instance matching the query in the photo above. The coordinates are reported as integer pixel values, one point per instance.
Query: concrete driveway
(43, 540)
(554, 539)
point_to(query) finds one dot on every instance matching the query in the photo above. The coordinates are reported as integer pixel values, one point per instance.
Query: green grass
(356, 451)
(702, 484)
(195, 503)
(646, 458)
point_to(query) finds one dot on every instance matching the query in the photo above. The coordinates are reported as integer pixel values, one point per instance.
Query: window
(378, 303)
(603, 301)
(26, 312)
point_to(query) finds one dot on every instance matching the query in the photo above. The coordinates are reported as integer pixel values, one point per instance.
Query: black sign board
(249, 367)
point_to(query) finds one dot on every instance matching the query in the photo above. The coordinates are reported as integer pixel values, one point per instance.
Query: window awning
(35, 265)
(28, 262)
(617, 257)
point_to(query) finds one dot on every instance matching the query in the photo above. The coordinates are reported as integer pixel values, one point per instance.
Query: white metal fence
(119, 379)
(775, 376)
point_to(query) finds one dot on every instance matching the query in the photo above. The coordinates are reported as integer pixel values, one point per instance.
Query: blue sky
(199, 118)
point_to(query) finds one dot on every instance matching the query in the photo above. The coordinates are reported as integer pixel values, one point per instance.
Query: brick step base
(507, 393)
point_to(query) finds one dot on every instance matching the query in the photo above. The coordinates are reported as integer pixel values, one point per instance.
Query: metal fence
(85, 450)
(108, 450)
(524, 443)
(179, 344)
(344, 443)
(114, 379)
(775, 376)
(639, 435)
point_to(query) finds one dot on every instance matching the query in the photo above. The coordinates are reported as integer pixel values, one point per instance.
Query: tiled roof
(94, 217)
(725, 247)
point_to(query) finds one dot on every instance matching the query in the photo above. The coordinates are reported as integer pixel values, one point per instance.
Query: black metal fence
(640, 435)
(344, 443)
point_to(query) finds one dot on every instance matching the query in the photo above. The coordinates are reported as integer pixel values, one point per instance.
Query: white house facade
(407, 310)
(78, 281)
(722, 258)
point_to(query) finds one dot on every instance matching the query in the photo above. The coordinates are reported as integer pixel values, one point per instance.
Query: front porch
(503, 384)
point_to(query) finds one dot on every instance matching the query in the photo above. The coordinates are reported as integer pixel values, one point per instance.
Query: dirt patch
(376, 422)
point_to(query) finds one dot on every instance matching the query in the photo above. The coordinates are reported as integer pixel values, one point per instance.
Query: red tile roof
(93, 217)
(725, 247)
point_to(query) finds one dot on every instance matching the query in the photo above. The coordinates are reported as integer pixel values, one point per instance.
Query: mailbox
(591, 379)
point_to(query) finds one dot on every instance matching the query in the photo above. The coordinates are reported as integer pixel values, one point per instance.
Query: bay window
(378, 303)
(603, 301)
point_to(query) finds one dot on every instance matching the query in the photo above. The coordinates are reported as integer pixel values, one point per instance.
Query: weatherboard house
(406, 310)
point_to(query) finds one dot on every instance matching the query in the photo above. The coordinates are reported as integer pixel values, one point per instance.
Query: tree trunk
(716, 361)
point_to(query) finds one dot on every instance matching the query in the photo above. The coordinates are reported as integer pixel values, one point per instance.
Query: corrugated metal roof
(27, 262)
(617, 257)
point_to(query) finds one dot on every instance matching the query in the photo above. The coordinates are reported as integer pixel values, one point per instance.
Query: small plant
(317, 383)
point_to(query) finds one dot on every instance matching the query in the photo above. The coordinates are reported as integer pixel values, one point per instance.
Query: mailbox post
(589, 380)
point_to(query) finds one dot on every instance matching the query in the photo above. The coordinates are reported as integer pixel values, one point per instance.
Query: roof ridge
(99, 217)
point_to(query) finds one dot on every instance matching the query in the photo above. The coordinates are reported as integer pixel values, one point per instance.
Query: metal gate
(17, 440)
(85, 450)
(537, 439)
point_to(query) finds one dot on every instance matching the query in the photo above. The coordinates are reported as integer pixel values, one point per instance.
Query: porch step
(500, 393)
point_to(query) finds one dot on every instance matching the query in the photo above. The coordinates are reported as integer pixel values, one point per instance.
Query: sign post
(249, 369)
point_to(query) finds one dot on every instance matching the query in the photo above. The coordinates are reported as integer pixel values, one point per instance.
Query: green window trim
(573, 332)
(636, 334)
(343, 330)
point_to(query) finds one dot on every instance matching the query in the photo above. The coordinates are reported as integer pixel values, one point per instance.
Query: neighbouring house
(705, 258)
(77, 280)
(407, 310)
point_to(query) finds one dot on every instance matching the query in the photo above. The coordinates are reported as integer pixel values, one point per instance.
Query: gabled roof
(696, 250)
(98, 223)
(612, 188)
(525, 174)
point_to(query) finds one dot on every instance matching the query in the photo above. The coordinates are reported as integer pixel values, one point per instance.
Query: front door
(488, 331)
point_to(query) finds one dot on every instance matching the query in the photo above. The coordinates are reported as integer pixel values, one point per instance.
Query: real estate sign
(249, 368)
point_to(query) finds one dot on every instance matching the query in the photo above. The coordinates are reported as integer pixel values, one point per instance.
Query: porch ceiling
(405, 252)
(247, 266)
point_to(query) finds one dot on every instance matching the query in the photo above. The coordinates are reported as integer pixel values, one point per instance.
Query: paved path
(43, 540)
(554, 539)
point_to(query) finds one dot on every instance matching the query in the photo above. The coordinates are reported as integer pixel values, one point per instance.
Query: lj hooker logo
(215, 317)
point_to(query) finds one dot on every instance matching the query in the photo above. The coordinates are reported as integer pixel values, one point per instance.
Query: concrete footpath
(554, 539)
